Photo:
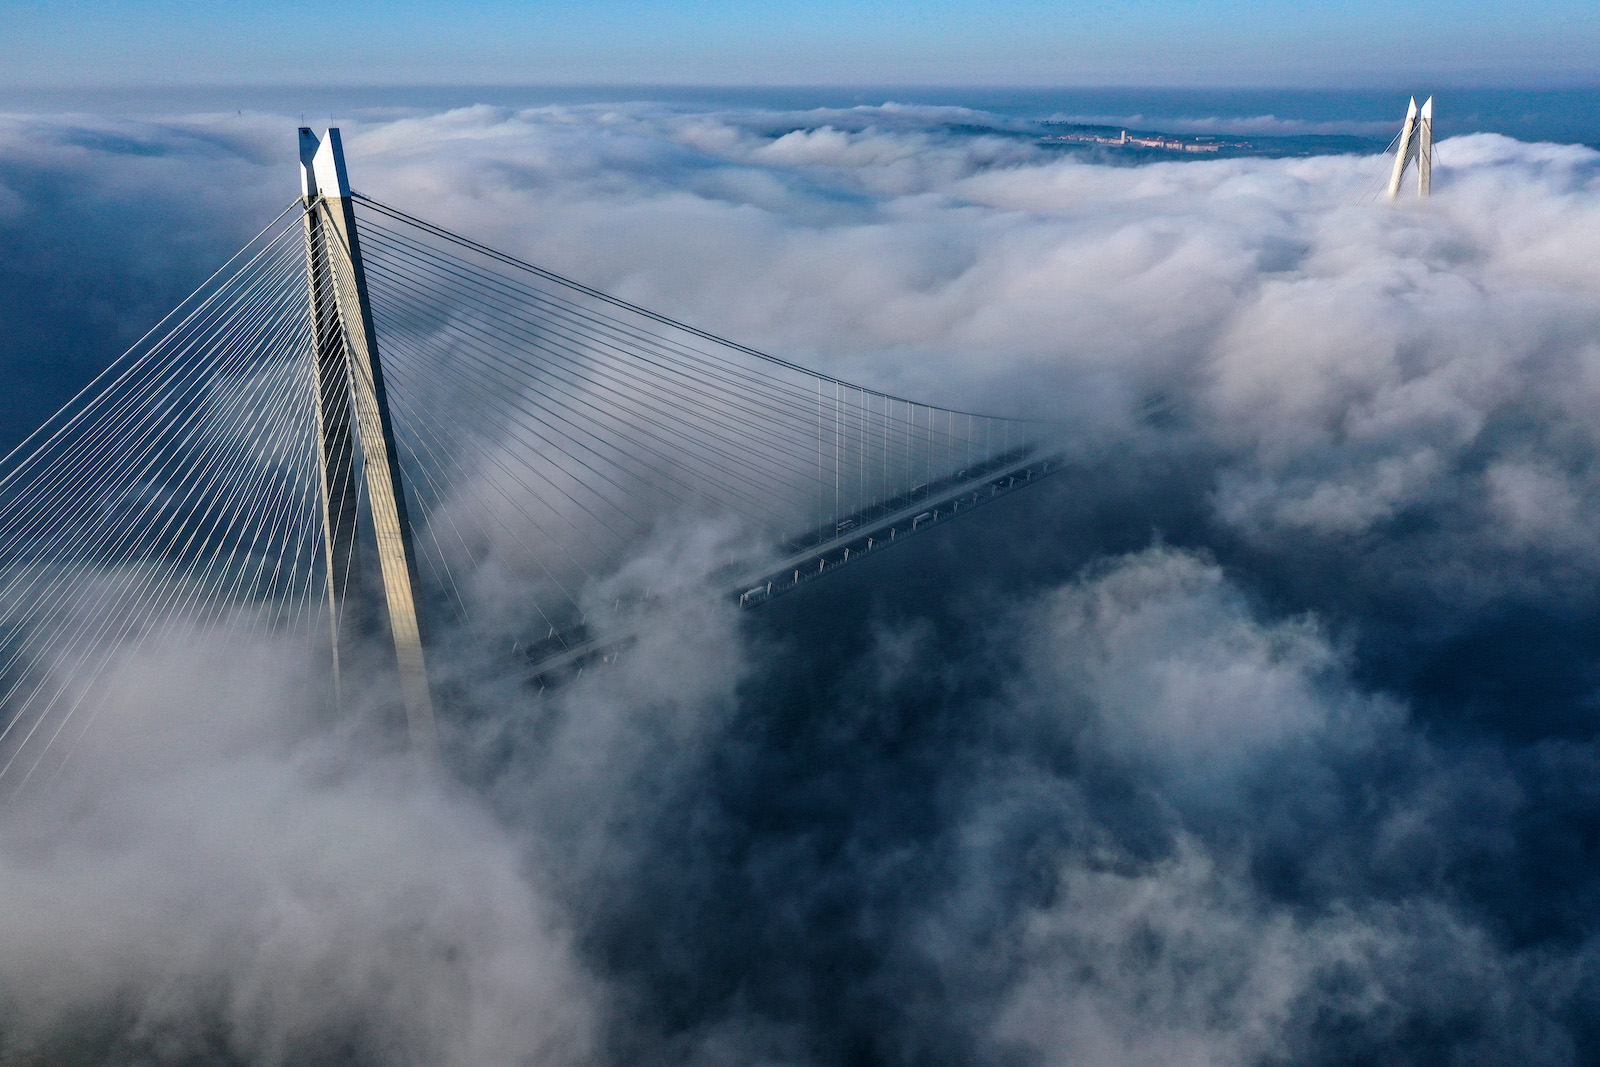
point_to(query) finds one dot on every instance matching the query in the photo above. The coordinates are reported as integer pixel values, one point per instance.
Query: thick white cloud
(1174, 671)
(220, 878)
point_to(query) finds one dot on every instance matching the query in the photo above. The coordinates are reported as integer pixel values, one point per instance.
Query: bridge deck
(815, 554)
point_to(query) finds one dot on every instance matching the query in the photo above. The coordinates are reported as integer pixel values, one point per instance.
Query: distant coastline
(1132, 145)
(1256, 116)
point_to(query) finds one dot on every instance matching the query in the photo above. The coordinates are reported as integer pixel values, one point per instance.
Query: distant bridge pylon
(1416, 143)
(356, 382)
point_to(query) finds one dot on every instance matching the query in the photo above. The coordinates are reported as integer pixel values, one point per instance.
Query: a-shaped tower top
(1416, 142)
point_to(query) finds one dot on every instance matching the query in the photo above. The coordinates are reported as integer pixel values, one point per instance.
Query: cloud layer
(1263, 735)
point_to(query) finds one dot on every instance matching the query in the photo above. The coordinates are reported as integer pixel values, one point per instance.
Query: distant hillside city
(1123, 139)
(1134, 146)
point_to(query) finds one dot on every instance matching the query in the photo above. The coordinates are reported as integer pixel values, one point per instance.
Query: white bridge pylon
(348, 373)
(1416, 143)
(503, 440)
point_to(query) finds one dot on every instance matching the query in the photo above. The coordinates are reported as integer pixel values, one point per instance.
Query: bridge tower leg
(1425, 149)
(349, 378)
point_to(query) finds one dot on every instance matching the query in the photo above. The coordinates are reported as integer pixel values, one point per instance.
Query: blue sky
(86, 43)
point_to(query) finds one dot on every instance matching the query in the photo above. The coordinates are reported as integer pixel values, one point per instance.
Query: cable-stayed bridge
(365, 424)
